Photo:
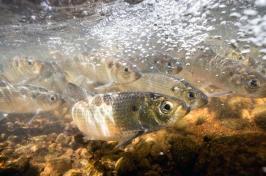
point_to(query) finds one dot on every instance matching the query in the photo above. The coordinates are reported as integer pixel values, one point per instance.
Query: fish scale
(27, 99)
(120, 115)
(99, 69)
(164, 84)
(204, 67)
(19, 69)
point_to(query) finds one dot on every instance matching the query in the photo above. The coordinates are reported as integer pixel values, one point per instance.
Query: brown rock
(63, 139)
(152, 173)
(73, 172)
(83, 153)
(124, 165)
(233, 155)
(260, 120)
(57, 166)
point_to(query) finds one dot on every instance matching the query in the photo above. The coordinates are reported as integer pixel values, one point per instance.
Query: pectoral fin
(125, 142)
(74, 92)
(35, 116)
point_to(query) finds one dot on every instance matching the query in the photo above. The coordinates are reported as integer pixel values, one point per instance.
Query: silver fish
(27, 99)
(157, 62)
(204, 68)
(165, 84)
(117, 116)
(99, 70)
(20, 69)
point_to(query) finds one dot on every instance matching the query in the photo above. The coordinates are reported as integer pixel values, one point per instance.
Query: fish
(51, 77)
(252, 60)
(118, 116)
(98, 70)
(27, 99)
(157, 62)
(74, 93)
(47, 74)
(20, 69)
(205, 68)
(165, 84)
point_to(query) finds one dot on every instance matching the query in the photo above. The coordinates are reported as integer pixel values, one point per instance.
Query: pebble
(3, 136)
(57, 166)
(73, 172)
(63, 139)
(124, 165)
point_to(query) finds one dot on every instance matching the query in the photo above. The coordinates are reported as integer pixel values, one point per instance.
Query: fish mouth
(260, 93)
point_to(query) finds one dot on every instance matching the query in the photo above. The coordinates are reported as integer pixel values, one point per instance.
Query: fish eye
(166, 107)
(253, 83)
(30, 62)
(126, 69)
(169, 64)
(191, 95)
(53, 98)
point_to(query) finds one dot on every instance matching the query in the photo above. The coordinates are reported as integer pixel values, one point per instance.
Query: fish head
(191, 95)
(167, 64)
(123, 71)
(248, 83)
(49, 101)
(27, 65)
(167, 109)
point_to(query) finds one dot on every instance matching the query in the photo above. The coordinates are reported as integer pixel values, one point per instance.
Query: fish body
(20, 69)
(27, 99)
(157, 63)
(117, 116)
(99, 69)
(26, 70)
(51, 77)
(168, 85)
(204, 67)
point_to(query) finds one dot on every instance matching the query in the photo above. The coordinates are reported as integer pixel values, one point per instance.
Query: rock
(13, 138)
(78, 139)
(73, 172)
(52, 147)
(145, 164)
(235, 123)
(200, 120)
(57, 166)
(17, 166)
(94, 169)
(233, 155)
(143, 148)
(94, 145)
(152, 173)
(84, 162)
(3, 137)
(184, 153)
(260, 119)
(83, 153)
(124, 165)
(166, 151)
(63, 139)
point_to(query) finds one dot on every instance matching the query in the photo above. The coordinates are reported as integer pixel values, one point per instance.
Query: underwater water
(131, 87)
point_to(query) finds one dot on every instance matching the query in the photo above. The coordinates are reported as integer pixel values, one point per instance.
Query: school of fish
(114, 98)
